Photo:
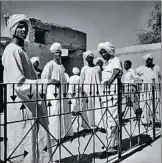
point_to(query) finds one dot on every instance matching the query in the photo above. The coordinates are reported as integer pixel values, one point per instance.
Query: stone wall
(68, 37)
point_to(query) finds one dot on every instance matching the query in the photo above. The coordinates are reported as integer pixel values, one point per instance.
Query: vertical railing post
(5, 120)
(119, 87)
(153, 107)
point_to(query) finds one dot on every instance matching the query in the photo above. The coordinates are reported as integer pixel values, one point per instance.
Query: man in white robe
(131, 81)
(74, 90)
(111, 71)
(18, 69)
(90, 76)
(59, 125)
(148, 73)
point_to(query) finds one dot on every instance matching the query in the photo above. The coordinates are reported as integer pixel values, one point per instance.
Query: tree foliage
(153, 33)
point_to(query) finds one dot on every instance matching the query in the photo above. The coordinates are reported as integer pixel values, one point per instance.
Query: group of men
(95, 75)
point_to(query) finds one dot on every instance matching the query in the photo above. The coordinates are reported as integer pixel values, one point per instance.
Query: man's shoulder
(49, 64)
(116, 58)
(141, 67)
(131, 70)
(84, 67)
(12, 47)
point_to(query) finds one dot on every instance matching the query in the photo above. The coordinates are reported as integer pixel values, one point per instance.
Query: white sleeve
(82, 75)
(46, 73)
(117, 64)
(24, 86)
(139, 71)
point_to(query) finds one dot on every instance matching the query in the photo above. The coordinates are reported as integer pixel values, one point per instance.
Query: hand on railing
(108, 83)
(54, 82)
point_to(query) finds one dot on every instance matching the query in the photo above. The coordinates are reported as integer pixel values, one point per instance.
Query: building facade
(42, 35)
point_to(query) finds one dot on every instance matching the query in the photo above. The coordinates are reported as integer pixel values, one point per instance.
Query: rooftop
(48, 25)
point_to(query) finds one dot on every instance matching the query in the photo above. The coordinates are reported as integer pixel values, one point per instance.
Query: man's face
(57, 55)
(149, 61)
(36, 64)
(89, 59)
(21, 31)
(99, 63)
(105, 54)
(126, 66)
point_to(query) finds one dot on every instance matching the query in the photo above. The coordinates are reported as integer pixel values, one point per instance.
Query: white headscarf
(14, 21)
(97, 59)
(145, 57)
(87, 53)
(34, 59)
(55, 47)
(75, 71)
(108, 46)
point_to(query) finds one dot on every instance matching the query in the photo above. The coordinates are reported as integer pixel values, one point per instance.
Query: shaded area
(145, 140)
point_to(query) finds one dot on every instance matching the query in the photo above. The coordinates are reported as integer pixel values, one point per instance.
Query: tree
(153, 33)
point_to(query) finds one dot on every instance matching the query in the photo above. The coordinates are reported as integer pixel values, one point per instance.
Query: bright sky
(115, 21)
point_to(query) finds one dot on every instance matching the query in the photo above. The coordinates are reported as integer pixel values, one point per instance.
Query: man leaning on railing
(111, 71)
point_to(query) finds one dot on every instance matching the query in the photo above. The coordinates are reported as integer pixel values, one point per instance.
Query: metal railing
(88, 122)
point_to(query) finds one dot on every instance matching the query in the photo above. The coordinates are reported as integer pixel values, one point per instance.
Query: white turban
(14, 20)
(55, 47)
(108, 46)
(87, 53)
(145, 57)
(97, 59)
(34, 59)
(100, 46)
(75, 71)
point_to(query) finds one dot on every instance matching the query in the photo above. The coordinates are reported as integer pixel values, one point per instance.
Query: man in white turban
(90, 76)
(76, 71)
(18, 69)
(147, 56)
(14, 21)
(148, 73)
(108, 46)
(111, 71)
(56, 48)
(74, 89)
(36, 62)
(55, 70)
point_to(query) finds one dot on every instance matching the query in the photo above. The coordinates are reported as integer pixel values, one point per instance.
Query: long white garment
(111, 115)
(147, 74)
(90, 77)
(131, 76)
(74, 87)
(52, 70)
(18, 69)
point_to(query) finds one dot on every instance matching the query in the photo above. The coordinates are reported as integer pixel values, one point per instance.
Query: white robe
(90, 77)
(18, 69)
(147, 74)
(52, 70)
(74, 87)
(110, 116)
